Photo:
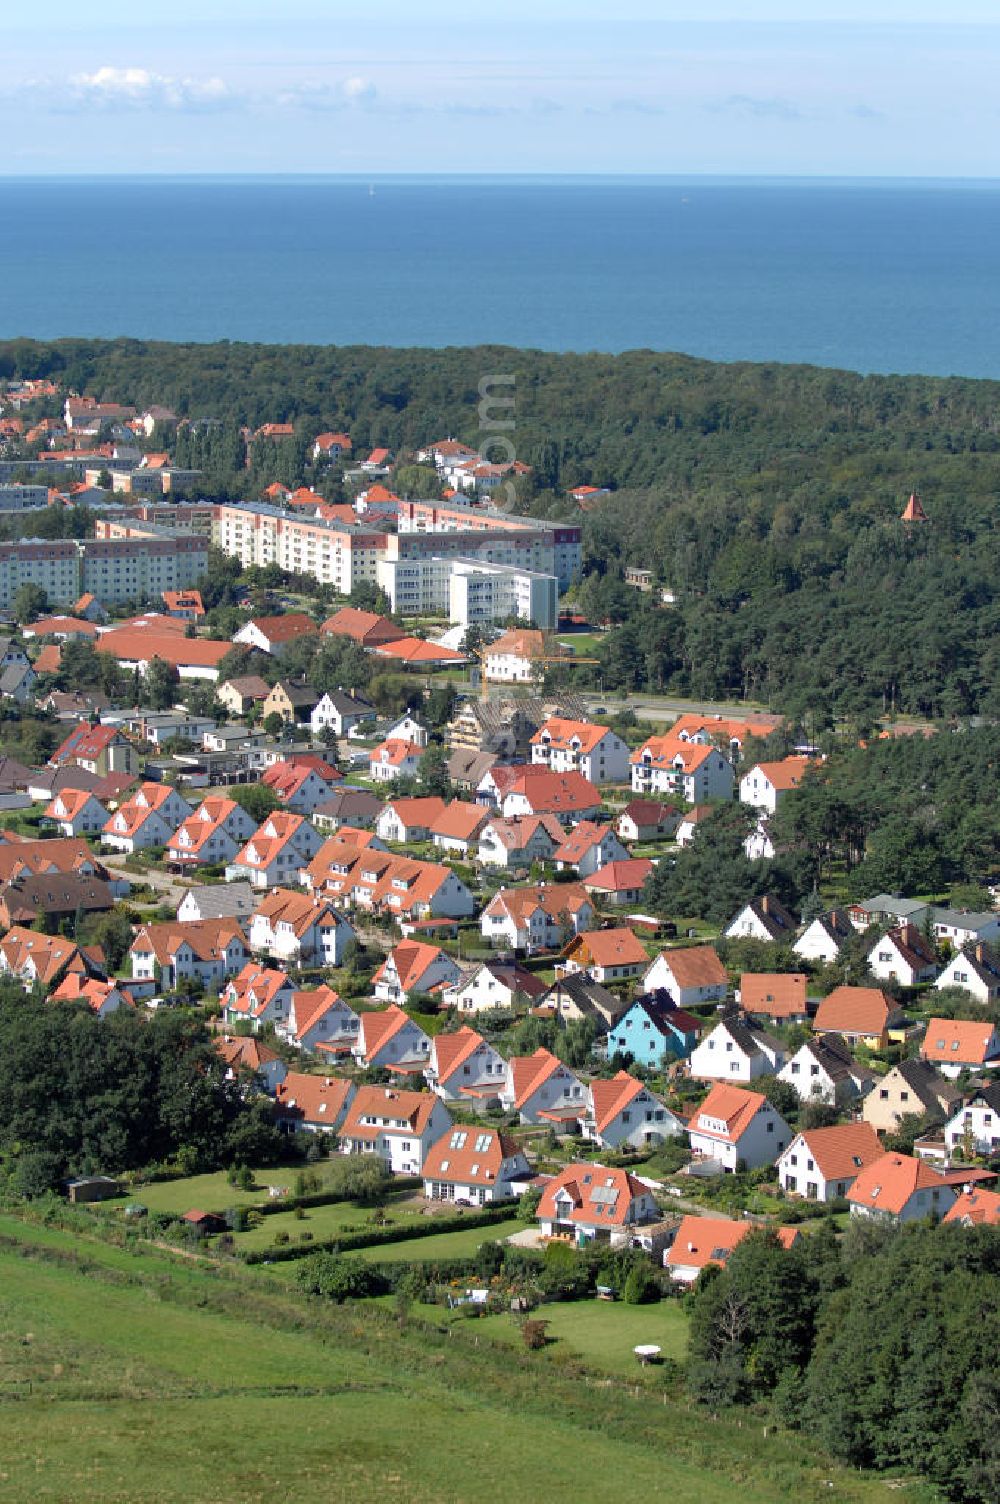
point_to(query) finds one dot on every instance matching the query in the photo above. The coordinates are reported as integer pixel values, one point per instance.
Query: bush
(336, 1278)
(534, 1334)
(642, 1287)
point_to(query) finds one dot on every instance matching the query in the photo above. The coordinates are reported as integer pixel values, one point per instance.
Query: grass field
(147, 1378)
(445, 1245)
(601, 1332)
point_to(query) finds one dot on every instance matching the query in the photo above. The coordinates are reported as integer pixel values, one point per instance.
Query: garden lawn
(446, 1245)
(207, 1193)
(601, 1332)
(328, 1221)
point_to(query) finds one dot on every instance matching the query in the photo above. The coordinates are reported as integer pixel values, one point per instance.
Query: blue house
(653, 1030)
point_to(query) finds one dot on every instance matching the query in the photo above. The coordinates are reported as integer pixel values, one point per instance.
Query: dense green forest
(766, 497)
(881, 1345)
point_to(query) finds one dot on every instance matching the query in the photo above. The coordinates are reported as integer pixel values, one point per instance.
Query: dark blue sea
(871, 275)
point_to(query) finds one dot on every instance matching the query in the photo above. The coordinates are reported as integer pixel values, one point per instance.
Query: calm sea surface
(877, 276)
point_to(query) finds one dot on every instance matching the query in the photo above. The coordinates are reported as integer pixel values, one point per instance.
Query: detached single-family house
(536, 918)
(587, 848)
(240, 695)
(861, 1015)
(258, 995)
(777, 996)
(962, 927)
(824, 1070)
(703, 1241)
(647, 820)
(653, 1031)
(299, 786)
(399, 1126)
(736, 1051)
(976, 969)
(320, 1022)
(588, 1203)
(520, 842)
(822, 1164)
(825, 937)
(102, 998)
(414, 966)
(75, 812)
(392, 1040)
(767, 783)
(898, 1188)
(619, 883)
(532, 790)
(458, 827)
(568, 746)
(408, 820)
(542, 1090)
(311, 1104)
(45, 959)
(294, 703)
(495, 984)
(623, 1111)
(245, 1053)
(955, 1045)
(738, 1129)
(579, 995)
(614, 955)
(464, 1068)
(764, 919)
(394, 758)
(913, 1088)
(975, 1127)
(692, 975)
(340, 712)
(474, 1165)
(905, 954)
(213, 834)
(208, 952)
(302, 929)
(974, 1208)
(274, 634)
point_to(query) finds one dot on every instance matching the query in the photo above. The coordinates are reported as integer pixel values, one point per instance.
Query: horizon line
(425, 175)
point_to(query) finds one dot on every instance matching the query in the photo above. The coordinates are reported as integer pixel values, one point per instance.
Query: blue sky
(814, 87)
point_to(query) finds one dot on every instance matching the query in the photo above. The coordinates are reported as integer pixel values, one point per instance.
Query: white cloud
(312, 94)
(142, 89)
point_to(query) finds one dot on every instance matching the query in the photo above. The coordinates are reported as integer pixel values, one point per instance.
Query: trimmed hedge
(350, 1242)
(269, 1208)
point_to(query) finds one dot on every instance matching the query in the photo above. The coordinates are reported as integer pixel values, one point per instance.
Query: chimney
(765, 904)
(980, 956)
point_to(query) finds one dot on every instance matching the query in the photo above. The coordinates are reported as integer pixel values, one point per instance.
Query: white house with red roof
(331, 446)
(213, 833)
(538, 791)
(536, 917)
(588, 847)
(541, 1089)
(905, 954)
(414, 966)
(273, 634)
(458, 827)
(623, 1111)
(647, 820)
(464, 1068)
(403, 820)
(613, 955)
(257, 995)
(767, 783)
(822, 1164)
(899, 1188)
(474, 1165)
(303, 929)
(298, 786)
(75, 812)
(738, 1129)
(690, 770)
(319, 1021)
(312, 1104)
(687, 826)
(703, 1241)
(394, 758)
(955, 1045)
(390, 1039)
(568, 746)
(277, 852)
(102, 998)
(399, 1126)
(149, 818)
(247, 1053)
(619, 883)
(519, 842)
(589, 1203)
(206, 950)
(98, 749)
(691, 974)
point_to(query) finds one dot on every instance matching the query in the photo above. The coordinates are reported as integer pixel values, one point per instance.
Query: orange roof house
(44, 959)
(312, 1104)
(588, 1202)
(612, 955)
(954, 1044)
(400, 1126)
(775, 995)
(973, 1208)
(899, 1188)
(692, 974)
(858, 1013)
(822, 1164)
(366, 628)
(701, 1241)
(474, 1164)
(734, 1126)
(542, 1089)
(914, 511)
